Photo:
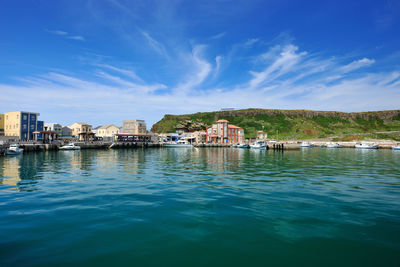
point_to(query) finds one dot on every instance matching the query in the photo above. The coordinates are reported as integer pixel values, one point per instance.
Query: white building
(53, 127)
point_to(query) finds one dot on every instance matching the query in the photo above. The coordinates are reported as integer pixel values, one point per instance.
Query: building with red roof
(224, 133)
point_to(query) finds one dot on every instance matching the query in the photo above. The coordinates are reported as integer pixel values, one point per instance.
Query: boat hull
(14, 152)
(258, 147)
(242, 146)
(178, 145)
(396, 147)
(70, 148)
(334, 146)
(367, 147)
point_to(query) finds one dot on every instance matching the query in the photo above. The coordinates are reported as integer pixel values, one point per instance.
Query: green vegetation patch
(290, 124)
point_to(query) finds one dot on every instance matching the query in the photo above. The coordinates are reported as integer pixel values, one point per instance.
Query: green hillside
(295, 124)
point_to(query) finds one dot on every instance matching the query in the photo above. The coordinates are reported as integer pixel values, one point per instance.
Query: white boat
(242, 146)
(14, 150)
(333, 145)
(367, 145)
(70, 146)
(306, 144)
(396, 147)
(258, 145)
(179, 143)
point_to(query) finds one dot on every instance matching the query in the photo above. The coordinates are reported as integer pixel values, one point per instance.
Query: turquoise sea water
(201, 207)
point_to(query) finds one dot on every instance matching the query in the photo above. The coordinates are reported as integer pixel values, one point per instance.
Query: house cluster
(23, 125)
(220, 133)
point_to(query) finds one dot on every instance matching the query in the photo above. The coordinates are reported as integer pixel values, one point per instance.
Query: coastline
(281, 145)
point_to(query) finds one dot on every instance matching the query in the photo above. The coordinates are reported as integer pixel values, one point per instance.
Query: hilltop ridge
(286, 124)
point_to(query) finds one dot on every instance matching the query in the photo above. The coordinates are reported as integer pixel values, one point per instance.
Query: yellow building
(21, 124)
(82, 130)
(1, 124)
(108, 131)
(199, 137)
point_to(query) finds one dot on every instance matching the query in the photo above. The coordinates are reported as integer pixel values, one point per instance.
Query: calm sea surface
(201, 207)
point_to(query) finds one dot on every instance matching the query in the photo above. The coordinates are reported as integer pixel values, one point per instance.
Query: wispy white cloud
(57, 32)
(356, 64)
(126, 72)
(218, 36)
(76, 37)
(66, 35)
(284, 63)
(155, 45)
(218, 60)
(199, 72)
(251, 42)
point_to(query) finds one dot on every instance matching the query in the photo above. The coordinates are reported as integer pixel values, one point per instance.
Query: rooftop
(234, 126)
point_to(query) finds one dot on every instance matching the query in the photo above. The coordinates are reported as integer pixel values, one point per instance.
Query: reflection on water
(155, 202)
(309, 167)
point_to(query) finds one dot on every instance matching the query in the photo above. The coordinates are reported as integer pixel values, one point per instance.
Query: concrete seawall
(121, 145)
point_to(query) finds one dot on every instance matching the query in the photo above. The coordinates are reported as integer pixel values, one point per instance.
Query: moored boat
(366, 145)
(242, 146)
(333, 145)
(70, 146)
(396, 147)
(306, 144)
(14, 150)
(179, 143)
(258, 145)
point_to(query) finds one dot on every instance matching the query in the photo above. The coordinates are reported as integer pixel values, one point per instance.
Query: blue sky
(106, 61)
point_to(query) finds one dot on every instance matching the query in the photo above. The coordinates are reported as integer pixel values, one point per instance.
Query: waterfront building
(55, 127)
(96, 130)
(199, 137)
(66, 131)
(82, 130)
(1, 124)
(107, 131)
(262, 136)
(134, 138)
(223, 132)
(21, 124)
(134, 127)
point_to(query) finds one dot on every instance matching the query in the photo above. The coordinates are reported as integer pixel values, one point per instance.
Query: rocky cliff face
(384, 115)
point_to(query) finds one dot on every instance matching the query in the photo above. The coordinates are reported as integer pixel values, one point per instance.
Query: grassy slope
(293, 124)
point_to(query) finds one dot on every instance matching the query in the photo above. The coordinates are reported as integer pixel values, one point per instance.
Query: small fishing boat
(70, 146)
(179, 143)
(14, 150)
(396, 147)
(366, 145)
(306, 144)
(258, 145)
(242, 146)
(333, 145)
